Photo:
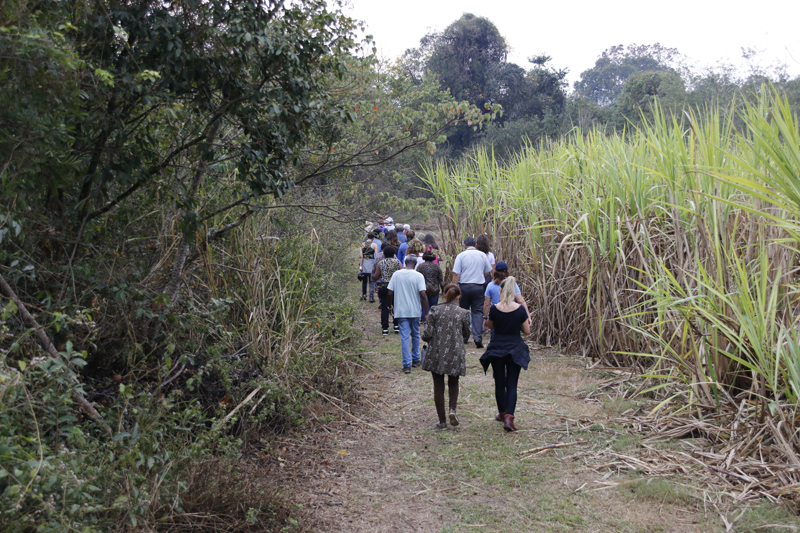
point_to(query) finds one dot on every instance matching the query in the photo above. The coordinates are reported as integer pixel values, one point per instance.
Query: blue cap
(501, 266)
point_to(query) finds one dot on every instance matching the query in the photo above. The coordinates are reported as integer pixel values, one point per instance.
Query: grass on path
(385, 468)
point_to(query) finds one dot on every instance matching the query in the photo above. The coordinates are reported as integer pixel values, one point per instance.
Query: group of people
(483, 296)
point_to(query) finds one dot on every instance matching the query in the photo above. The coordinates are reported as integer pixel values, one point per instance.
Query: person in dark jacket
(507, 353)
(446, 326)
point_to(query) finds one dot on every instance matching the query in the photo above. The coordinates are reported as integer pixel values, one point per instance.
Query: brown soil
(381, 466)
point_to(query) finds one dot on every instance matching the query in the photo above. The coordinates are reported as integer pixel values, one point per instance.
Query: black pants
(438, 393)
(383, 296)
(472, 296)
(506, 375)
(365, 281)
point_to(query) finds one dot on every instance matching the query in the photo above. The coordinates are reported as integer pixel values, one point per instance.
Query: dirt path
(383, 467)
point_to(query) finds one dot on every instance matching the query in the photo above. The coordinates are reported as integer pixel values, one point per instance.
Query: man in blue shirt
(408, 288)
(470, 271)
(401, 232)
(401, 252)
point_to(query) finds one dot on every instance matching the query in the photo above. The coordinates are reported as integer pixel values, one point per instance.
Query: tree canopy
(469, 59)
(603, 83)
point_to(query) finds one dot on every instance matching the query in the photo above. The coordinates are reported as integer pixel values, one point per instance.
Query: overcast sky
(575, 33)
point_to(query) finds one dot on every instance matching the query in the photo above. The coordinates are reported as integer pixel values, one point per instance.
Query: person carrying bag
(444, 330)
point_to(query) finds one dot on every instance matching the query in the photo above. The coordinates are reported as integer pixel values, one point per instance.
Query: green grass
(616, 406)
(767, 517)
(660, 490)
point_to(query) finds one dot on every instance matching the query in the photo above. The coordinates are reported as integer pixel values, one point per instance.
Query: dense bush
(260, 316)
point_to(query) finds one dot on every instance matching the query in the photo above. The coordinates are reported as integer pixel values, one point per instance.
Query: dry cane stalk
(44, 341)
(552, 447)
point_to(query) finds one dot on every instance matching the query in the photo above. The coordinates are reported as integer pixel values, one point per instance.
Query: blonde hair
(508, 290)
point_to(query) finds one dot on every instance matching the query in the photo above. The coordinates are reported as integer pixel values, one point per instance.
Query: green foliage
(643, 92)
(603, 83)
(466, 57)
(669, 245)
(40, 75)
(169, 413)
(469, 60)
(56, 474)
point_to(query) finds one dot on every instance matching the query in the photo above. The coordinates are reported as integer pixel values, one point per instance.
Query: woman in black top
(507, 352)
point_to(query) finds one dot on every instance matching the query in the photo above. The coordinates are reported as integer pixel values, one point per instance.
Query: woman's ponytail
(451, 292)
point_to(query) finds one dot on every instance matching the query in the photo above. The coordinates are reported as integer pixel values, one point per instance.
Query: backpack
(367, 252)
(431, 290)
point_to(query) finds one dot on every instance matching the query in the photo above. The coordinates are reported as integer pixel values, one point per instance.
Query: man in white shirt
(408, 288)
(470, 271)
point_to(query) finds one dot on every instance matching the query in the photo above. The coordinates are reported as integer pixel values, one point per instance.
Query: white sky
(575, 33)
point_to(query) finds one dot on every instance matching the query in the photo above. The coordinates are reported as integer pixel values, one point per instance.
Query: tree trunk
(44, 341)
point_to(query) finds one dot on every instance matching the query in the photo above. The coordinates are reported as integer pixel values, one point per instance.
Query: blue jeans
(409, 327)
(432, 300)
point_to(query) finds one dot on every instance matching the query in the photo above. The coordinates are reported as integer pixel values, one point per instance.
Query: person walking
(434, 279)
(383, 274)
(482, 243)
(401, 251)
(391, 239)
(445, 327)
(366, 264)
(492, 293)
(507, 353)
(401, 232)
(407, 287)
(470, 270)
(430, 245)
(415, 249)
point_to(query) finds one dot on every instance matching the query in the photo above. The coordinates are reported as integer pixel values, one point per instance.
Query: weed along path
(381, 466)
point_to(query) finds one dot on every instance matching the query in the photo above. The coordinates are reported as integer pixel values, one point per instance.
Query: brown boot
(508, 423)
(500, 417)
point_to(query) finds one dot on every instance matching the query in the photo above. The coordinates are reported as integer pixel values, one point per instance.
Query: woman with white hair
(507, 353)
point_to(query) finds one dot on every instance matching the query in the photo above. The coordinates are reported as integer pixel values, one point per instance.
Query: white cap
(390, 220)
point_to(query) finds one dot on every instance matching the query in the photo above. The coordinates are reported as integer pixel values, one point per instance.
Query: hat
(389, 220)
(501, 266)
(407, 227)
(470, 241)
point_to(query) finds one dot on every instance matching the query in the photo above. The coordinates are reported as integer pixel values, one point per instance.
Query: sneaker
(385, 332)
(441, 425)
(406, 370)
(466, 341)
(453, 418)
(416, 364)
(371, 299)
(479, 344)
(397, 329)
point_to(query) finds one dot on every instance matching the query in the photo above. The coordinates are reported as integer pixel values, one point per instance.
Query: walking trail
(382, 466)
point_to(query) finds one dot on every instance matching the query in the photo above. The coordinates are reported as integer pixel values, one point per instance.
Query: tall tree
(166, 101)
(643, 91)
(467, 57)
(603, 83)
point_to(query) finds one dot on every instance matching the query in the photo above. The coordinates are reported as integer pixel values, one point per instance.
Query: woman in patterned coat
(447, 325)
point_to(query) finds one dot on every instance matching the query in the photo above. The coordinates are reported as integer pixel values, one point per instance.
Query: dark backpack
(367, 252)
(431, 290)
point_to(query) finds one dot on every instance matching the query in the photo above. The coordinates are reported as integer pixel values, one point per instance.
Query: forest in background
(469, 59)
(173, 176)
